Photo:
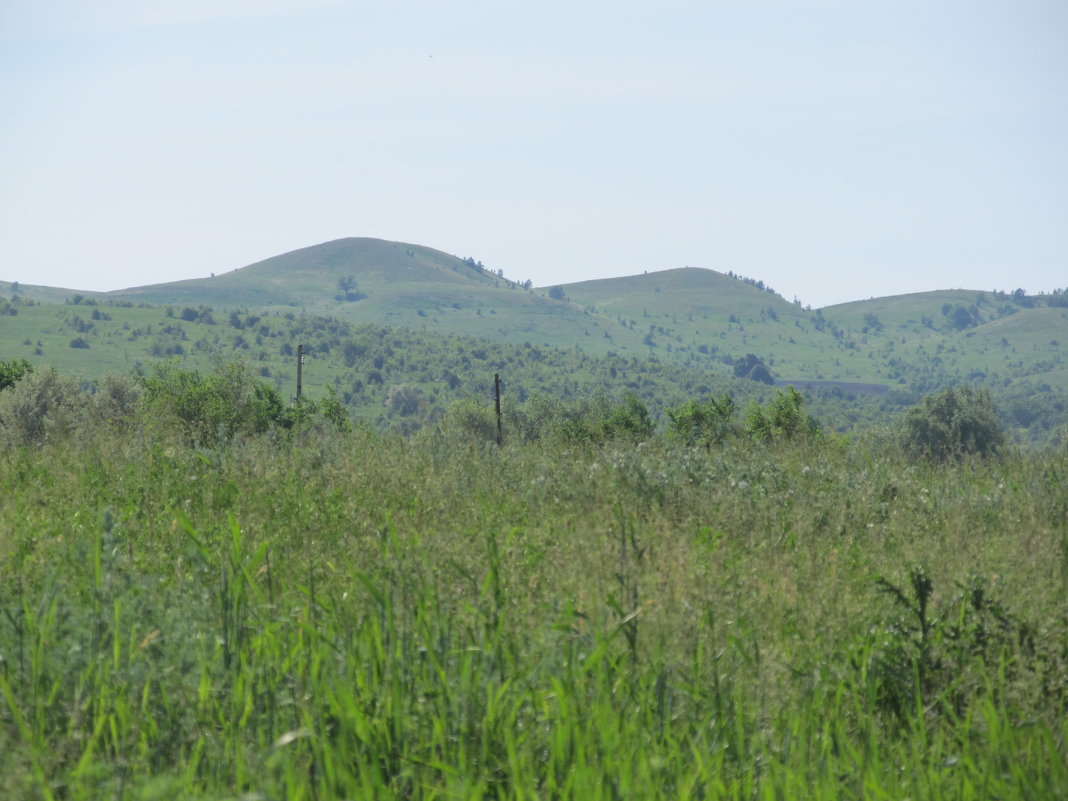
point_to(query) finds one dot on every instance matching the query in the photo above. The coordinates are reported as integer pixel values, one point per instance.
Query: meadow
(324, 611)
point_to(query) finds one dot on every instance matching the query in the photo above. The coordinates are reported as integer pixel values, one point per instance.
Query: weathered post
(497, 402)
(300, 365)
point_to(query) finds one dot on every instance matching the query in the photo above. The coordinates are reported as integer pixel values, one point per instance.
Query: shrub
(12, 371)
(405, 400)
(116, 399)
(41, 404)
(782, 418)
(470, 420)
(927, 651)
(752, 367)
(213, 407)
(599, 419)
(708, 422)
(952, 424)
(333, 410)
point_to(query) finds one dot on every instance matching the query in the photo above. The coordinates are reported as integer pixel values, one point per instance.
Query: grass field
(326, 615)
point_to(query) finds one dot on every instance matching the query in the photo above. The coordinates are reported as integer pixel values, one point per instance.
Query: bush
(782, 418)
(709, 422)
(952, 424)
(599, 420)
(40, 405)
(213, 407)
(405, 400)
(470, 419)
(753, 368)
(12, 371)
(927, 653)
(116, 399)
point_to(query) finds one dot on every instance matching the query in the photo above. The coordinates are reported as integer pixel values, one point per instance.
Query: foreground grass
(368, 617)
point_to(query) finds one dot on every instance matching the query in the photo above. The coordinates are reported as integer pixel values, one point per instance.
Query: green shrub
(12, 371)
(212, 407)
(116, 399)
(708, 422)
(599, 419)
(41, 404)
(927, 649)
(782, 418)
(952, 424)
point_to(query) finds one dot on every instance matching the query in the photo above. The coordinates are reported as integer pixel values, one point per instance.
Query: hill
(871, 358)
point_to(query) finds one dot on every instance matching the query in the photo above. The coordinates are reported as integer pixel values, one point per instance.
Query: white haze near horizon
(835, 150)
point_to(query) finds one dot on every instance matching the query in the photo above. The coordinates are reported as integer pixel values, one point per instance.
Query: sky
(836, 150)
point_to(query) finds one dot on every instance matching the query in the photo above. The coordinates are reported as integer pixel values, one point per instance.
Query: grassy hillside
(868, 358)
(389, 283)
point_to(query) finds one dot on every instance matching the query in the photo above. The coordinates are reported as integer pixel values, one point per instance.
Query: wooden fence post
(300, 365)
(497, 401)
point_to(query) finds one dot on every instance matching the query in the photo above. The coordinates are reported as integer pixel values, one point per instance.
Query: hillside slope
(894, 349)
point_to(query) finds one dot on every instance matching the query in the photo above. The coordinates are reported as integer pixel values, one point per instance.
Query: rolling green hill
(887, 352)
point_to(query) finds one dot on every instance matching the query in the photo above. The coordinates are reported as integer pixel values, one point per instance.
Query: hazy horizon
(835, 151)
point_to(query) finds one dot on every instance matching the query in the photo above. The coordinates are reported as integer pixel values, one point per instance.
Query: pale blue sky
(836, 150)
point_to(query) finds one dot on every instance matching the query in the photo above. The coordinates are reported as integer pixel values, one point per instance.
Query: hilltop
(878, 355)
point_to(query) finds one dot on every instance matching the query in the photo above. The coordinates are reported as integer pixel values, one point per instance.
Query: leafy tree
(752, 367)
(470, 420)
(347, 290)
(959, 317)
(557, 293)
(953, 423)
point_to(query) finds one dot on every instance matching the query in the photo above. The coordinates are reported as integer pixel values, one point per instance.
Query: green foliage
(210, 408)
(752, 367)
(927, 651)
(39, 405)
(708, 422)
(334, 412)
(781, 418)
(597, 419)
(348, 290)
(405, 400)
(959, 316)
(952, 424)
(11, 370)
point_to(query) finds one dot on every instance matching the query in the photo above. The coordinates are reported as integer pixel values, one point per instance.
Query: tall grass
(365, 616)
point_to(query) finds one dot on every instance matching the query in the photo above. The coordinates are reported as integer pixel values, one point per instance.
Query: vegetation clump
(953, 424)
(752, 367)
(12, 370)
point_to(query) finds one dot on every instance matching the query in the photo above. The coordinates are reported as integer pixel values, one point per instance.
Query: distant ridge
(891, 348)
